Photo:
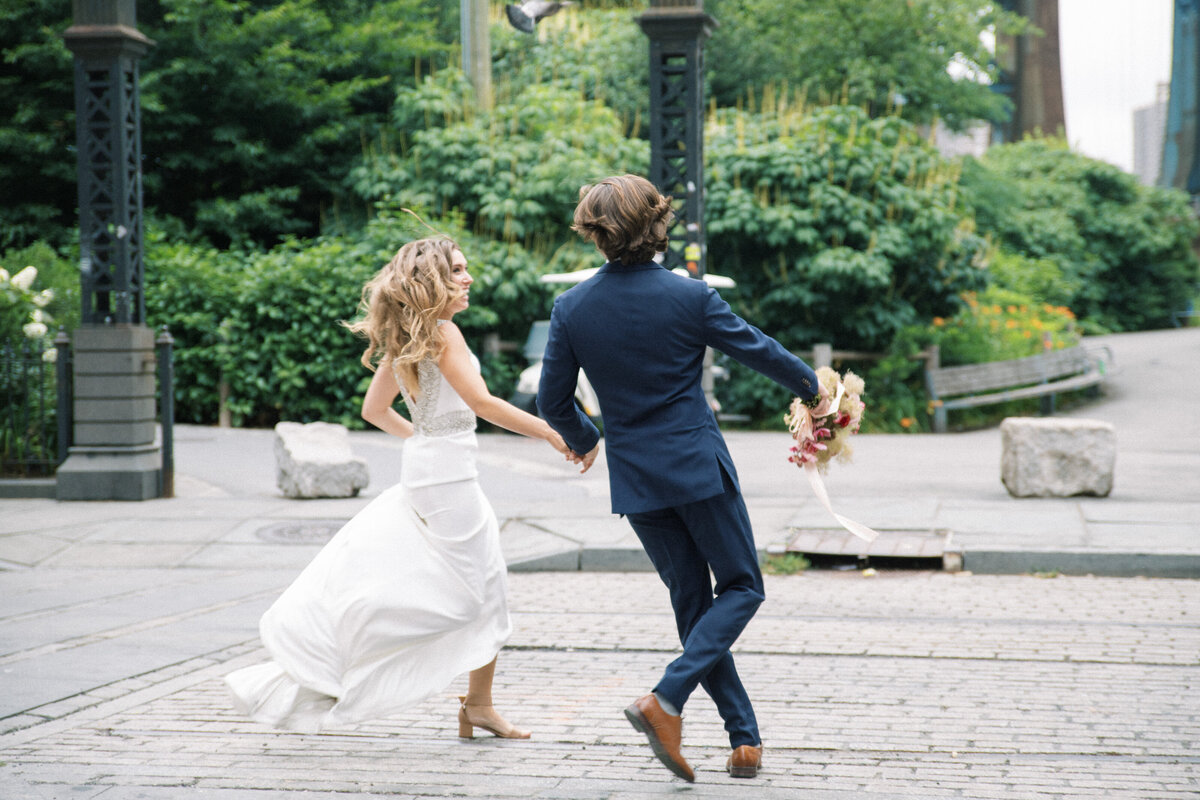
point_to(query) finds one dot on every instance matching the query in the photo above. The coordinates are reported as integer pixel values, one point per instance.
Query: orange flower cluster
(993, 327)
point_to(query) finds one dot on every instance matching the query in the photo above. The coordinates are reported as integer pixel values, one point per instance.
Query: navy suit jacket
(639, 332)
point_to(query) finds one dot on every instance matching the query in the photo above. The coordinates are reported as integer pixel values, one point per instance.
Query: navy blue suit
(640, 333)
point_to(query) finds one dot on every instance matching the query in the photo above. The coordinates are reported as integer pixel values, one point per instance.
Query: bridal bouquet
(821, 439)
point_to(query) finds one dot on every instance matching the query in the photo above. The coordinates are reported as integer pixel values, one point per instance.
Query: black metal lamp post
(114, 455)
(677, 30)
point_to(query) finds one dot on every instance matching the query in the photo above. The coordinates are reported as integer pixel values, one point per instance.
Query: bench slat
(999, 381)
(1066, 385)
(976, 378)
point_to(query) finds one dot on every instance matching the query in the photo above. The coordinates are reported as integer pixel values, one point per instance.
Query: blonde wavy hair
(401, 306)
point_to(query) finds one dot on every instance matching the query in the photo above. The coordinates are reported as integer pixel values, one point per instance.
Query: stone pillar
(114, 455)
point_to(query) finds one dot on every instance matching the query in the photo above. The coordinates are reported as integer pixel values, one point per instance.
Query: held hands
(559, 444)
(556, 441)
(588, 459)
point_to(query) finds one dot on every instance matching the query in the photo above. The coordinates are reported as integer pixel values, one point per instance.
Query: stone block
(116, 434)
(314, 460)
(1057, 457)
(130, 410)
(109, 473)
(112, 387)
(92, 338)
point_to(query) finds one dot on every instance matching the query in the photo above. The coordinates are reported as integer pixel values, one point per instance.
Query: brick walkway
(907, 684)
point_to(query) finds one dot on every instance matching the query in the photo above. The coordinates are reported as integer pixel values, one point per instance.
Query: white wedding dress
(408, 595)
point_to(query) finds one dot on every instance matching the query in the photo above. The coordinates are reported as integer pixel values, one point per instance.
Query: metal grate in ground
(893, 547)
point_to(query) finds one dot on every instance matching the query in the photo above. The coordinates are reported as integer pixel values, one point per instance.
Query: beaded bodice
(437, 410)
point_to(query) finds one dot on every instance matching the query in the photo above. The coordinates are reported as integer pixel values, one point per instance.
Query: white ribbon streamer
(818, 487)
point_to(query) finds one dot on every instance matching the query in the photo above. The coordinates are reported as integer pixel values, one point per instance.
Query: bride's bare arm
(456, 365)
(377, 404)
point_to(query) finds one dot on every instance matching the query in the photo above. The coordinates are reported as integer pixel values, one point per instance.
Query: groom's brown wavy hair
(625, 216)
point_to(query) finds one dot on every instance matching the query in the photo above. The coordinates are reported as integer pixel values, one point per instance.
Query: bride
(410, 593)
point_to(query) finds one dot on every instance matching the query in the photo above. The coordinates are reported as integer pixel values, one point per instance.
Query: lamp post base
(110, 473)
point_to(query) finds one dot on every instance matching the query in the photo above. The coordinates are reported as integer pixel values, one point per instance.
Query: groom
(640, 333)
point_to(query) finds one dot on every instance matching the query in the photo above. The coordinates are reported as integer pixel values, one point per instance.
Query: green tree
(873, 53)
(37, 125)
(1121, 251)
(255, 109)
(267, 325)
(252, 110)
(513, 172)
(837, 227)
(600, 53)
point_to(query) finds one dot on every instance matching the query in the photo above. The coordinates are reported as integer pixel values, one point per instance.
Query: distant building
(1149, 132)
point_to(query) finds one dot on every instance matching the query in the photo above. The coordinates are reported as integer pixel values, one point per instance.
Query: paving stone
(909, 685)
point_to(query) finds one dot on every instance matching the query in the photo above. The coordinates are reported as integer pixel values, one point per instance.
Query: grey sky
(1114, 53)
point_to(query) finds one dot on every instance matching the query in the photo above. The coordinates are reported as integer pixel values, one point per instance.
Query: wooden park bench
(1043, 375)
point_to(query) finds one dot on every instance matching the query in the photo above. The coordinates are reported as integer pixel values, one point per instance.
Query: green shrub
(512, 172)
(1039, 280)
(837, 227)
(994, 325)
(1000, 324)
(599, 54)
(269, 324)
(47, 294)
(28, 429)
(1121, 251)
(194, 290)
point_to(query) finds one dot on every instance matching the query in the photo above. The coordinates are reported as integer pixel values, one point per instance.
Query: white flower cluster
(21, 285)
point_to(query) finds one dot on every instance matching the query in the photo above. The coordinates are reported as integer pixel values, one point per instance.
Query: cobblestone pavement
(925, 685)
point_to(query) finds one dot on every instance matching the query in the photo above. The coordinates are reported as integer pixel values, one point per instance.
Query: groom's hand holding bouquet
(823, 430)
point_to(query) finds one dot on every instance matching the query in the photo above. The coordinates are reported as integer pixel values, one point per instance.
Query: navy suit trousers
(684, 543)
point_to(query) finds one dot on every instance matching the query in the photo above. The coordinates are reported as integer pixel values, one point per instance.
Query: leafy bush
(513, 172)
(1000, 324)
(195, 291)
(994, 325)
(1122, 251)
(837, 227)
(54, 288)
(268, 324)
(878, 55)
(1040, 280)
(599, 54)
(28, 429)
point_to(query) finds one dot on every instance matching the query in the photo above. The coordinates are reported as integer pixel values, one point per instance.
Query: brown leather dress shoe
(744, 762)
(665, 733)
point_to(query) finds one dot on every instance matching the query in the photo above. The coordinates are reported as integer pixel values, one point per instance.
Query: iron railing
(32, 378)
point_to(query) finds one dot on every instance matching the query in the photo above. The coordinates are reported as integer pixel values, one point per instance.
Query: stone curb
(980, 562)
(1116, 565)
(28, 488)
